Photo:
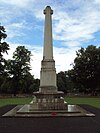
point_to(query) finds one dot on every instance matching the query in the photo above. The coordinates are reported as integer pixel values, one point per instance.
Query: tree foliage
(19, 67)
(86, 69)
(3, 49)
(15, 76)
(63, 82)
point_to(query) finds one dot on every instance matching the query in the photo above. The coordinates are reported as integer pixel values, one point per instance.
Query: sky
(75, 24)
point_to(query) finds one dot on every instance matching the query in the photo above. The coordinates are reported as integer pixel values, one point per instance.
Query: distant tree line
(15, 76)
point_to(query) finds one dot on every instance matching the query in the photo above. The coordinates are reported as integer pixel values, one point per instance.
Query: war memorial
(48, 112)
(48, 100)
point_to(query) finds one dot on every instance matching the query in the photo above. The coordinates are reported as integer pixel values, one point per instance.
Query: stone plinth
(48, 101)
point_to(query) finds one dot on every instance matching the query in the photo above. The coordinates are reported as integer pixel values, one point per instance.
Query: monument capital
(48, 10)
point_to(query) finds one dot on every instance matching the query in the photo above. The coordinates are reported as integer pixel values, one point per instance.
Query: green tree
(61, 81)
(3, 49)
(28, 84)
(19, 67)
(86, 69)
(7, 86)
(34, 86)
(64, 83)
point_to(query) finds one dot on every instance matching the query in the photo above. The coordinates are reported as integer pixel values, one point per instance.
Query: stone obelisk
(48, 71)
(48, 97)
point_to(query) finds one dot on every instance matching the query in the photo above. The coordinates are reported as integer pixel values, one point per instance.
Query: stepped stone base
(24, 111)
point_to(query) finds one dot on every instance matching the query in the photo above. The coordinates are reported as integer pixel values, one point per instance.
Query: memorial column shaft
(48, 50)
(48, 71)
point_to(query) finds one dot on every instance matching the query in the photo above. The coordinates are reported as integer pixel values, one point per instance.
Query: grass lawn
(70, 100)
(90, 101)
(8, 101)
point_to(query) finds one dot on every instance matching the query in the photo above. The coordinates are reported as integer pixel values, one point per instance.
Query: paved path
(51, 124)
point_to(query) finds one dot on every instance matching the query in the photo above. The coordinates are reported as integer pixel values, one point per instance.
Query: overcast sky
(76, 24)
